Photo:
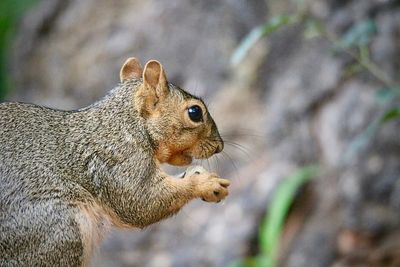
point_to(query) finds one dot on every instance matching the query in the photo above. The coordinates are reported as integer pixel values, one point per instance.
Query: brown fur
(132, 69)
(68, 176)
(179, 148)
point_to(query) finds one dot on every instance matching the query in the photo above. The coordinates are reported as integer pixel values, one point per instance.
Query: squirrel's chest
(94, 224)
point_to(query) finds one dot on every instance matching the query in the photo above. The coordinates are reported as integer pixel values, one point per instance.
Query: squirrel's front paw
(208, 186)
(214, 189)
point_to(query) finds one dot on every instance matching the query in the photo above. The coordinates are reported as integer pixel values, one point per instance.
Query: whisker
(231, 160)
(242, 135)
(241, 148)
(208, 163)
(243, 132)
(202, 162)
(217, 163)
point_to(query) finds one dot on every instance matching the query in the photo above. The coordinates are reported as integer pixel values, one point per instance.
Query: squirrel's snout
(220, 147)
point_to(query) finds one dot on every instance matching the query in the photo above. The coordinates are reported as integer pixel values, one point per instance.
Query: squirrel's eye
(195, 113)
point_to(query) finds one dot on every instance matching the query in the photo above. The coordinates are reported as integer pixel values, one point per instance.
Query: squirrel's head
(178, 122)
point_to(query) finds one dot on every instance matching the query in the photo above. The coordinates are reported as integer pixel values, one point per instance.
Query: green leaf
(256, 261)
(313, 29)
(259, 32)
(236, 263)
(352, 69)
(386, 94)
(389, 115)
(245, 45)
(361, 141)
(360, 34)
(263, 261)
(272, 225)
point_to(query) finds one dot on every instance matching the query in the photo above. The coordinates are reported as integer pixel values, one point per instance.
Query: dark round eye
(195, 113)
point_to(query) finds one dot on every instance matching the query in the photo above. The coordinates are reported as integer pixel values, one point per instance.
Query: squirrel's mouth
(202, 155)
(180, 159)
(187, 157)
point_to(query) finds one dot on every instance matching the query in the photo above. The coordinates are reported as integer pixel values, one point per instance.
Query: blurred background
(305, 93)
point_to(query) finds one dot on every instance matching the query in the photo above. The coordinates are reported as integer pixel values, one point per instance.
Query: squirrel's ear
(131, 69)
(155, 78)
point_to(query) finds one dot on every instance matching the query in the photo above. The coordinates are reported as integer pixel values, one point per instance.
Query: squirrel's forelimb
(197, 183)
(167, 196)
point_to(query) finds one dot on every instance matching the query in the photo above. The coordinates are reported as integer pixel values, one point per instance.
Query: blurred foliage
(10, 13)
(360, 34)
(271, 227)
(390, 115)
(387, 96)
(354, 42)
(259, 32)
(312, 28)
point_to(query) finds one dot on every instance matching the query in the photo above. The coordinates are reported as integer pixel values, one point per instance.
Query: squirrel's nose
(220, 147)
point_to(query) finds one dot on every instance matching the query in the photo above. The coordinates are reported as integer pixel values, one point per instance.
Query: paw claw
(208, 186)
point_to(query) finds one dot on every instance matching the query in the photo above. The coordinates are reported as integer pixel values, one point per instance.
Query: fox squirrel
(66, 177)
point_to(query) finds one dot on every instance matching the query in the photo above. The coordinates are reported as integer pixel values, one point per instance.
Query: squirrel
(67, 177)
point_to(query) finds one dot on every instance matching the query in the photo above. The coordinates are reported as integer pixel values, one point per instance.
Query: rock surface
(289, 103)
